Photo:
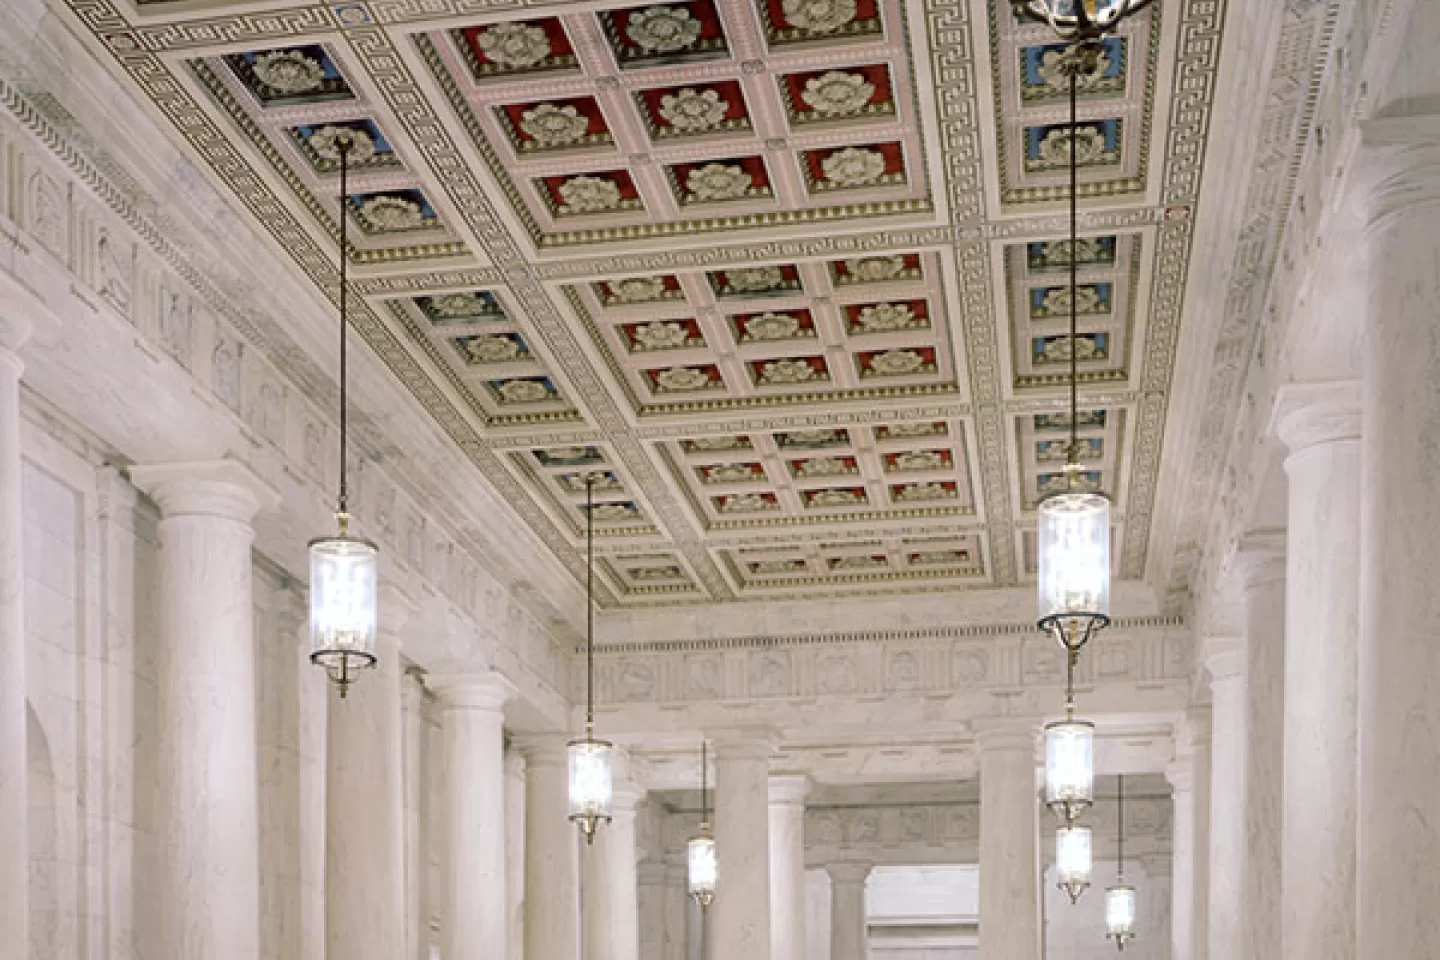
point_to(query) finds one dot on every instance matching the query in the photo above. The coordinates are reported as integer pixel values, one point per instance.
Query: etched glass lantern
(344, 575)
(1120, 913)
(1073, 538)
(1072, 860)
(1069, 767)
(591, 785)
(1080, 19)
(703, 872)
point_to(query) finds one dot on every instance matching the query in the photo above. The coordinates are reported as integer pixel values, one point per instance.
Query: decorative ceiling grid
(731, 118)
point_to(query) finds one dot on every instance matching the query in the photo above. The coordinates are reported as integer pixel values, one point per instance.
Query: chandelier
(1080, 19)
(591, 788)
(344, 570)
(1072, 860)
(1120, 899)
(700, 851)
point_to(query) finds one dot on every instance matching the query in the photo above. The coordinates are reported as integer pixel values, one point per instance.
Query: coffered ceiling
(788, 276)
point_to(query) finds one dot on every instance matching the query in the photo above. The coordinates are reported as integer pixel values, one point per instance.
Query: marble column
(1261, 565)
(677, 897)
(1227, 799)
(1182, 855)
(653, 878)
(787, 867)
(515, 850)
(849, 919)
(611, 910)
(738, 923)
(1320, 425)
(552, 879)
(14, 799)
(417, 837)
(1197, 735)
(207, 885)
(1398, 866)
(473, 923)
(365, 803)
(1009, 844)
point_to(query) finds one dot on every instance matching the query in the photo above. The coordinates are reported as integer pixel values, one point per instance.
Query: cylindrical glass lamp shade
(700, 857)
(1120, 913)
(1074, 565)
(1072, 860)
(1069, 767)
(344, 583)
(591, 786)
(1081, 19)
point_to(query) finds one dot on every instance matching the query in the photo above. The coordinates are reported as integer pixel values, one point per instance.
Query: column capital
(1223, 657)
(1006, 734)
(849, 871)
(543, 749)
(473, 691)
(789, 789)
(1315, 413)
(739, 743)
(1259, 559)
(1397, 169)
(213, 488)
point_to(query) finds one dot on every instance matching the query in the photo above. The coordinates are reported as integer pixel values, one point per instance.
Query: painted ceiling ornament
(584, 194)
(812, 438)
(613, 512)
(681, 379)
(491, 349)
(554, 124)
(694, 110)
(388, 214)
(876, 269)
(326, 143)
(1054, 69)
(523, 391)
(824, 467)
(718, 443)
(514, 44)
(732, 473)
(895, 363)
(662, 29)
(929, 490)
(718, 181)
(859, 563)
(818, 16)
(935, 558)
(897, 430)
(289, 71)
(778, 566)
(788, 371)
(835, 498)
(451, 305)
(920, 460)
(884, 317)
(1058, 350)
(854, 167)
(754, 279)
(1054, 147)
(662, 335)
(638, 289)
(1057, 252)
(772, 326)
(745, 503)
(1057, 302)
(837, 94)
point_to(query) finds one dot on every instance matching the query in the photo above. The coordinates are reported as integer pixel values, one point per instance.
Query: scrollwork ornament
(514, 44)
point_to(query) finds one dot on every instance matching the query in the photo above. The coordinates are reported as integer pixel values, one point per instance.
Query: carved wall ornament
(662, 29)
(772, 326)
(115, 271)
(837, 94)
(638, 289)
(819, 16)
(854, 167)
(554, 125)
(754, 279)
(885, 317)
(47, 212)
(875, 269)
(694, 111)
(326, 140)
(386, 214)
(514, 44)
(289, 71)
(225, 372)
(584, 194)
(718, 181)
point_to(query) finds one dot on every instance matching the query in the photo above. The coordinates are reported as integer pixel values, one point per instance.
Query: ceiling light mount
(1079, 19)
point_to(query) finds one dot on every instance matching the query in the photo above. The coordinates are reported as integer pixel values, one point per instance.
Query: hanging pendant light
(1073, 532)
(1120, 899)
(700, 851)
(1069, 757)
(1072, 860)
(591, 780)
(1080, 19)
(344, 570)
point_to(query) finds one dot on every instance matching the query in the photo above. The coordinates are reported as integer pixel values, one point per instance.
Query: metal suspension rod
(1074, 259)
(1120, 816)
(343, 506)
(589, 604)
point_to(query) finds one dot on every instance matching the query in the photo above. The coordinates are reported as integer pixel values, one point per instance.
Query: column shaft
(1322, 611)
(651, 903)
(551, 863)
(1182, 858)
(611, 908)
(1198, 733)
(515, 850)
(677, 896)
(473, 901)
(1009, 846)
(14, 800)
(849, 917)
(1227, 804)
(787, 867)
(738, 924)
(417, 838)
(1265, 757)
(365, 805)
(208, 869)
